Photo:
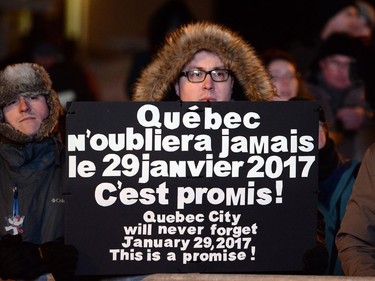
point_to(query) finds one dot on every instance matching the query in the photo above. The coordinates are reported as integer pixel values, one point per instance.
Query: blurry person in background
(284, 75)
(337, 175)
(334, 83)
(333, 16)
(339, 17)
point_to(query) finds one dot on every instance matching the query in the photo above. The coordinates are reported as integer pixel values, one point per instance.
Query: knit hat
(329, 8)
(32, 79)
(341, 44)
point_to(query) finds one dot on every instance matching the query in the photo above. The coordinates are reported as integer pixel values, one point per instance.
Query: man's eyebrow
(194, 66)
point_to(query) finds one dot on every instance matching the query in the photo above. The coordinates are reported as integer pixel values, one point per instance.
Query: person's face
(284, 77)
(336, 71)
(347, 21)
(27, 113)
(207, 90)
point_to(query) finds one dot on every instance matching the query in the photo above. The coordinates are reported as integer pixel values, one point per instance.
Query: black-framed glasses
(199, 75)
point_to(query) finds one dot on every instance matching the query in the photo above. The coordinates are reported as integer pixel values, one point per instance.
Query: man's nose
(23, 104)
(208, 83)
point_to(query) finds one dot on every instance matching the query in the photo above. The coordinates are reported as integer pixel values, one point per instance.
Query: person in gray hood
(204, 62)
(32, 164)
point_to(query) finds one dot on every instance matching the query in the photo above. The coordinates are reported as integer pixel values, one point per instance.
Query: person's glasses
(199, 75)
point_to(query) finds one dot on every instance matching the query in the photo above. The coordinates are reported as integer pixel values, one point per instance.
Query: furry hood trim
(156, 82)
(29, 78)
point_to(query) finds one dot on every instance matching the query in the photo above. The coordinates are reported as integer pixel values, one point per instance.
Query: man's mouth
(27, 118)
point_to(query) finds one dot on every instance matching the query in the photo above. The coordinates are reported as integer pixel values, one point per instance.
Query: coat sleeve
(355, 240)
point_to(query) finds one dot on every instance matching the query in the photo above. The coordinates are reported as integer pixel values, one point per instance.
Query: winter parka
(32, 168)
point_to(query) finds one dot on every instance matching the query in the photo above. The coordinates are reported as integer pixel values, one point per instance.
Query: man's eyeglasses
(199, 75)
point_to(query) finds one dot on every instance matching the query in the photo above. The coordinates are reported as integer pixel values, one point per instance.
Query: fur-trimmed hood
(156, 82)
(27, 78)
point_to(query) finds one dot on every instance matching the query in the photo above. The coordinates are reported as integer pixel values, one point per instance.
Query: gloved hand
(61, 259)
(19, 259)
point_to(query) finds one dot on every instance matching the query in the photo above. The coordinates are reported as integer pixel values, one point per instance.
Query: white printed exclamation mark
(279, 192)
(252, 253)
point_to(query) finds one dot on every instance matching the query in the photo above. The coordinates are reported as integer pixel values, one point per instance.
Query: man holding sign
(193, 186)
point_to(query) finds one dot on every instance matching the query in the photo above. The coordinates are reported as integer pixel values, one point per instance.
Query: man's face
(27, 113)
(207, 90)
(336, 71)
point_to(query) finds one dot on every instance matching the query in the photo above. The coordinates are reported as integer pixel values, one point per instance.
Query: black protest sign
(191, 187)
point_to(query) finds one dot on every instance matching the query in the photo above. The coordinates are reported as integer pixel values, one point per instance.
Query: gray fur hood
(27, 78)
(252, 81)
